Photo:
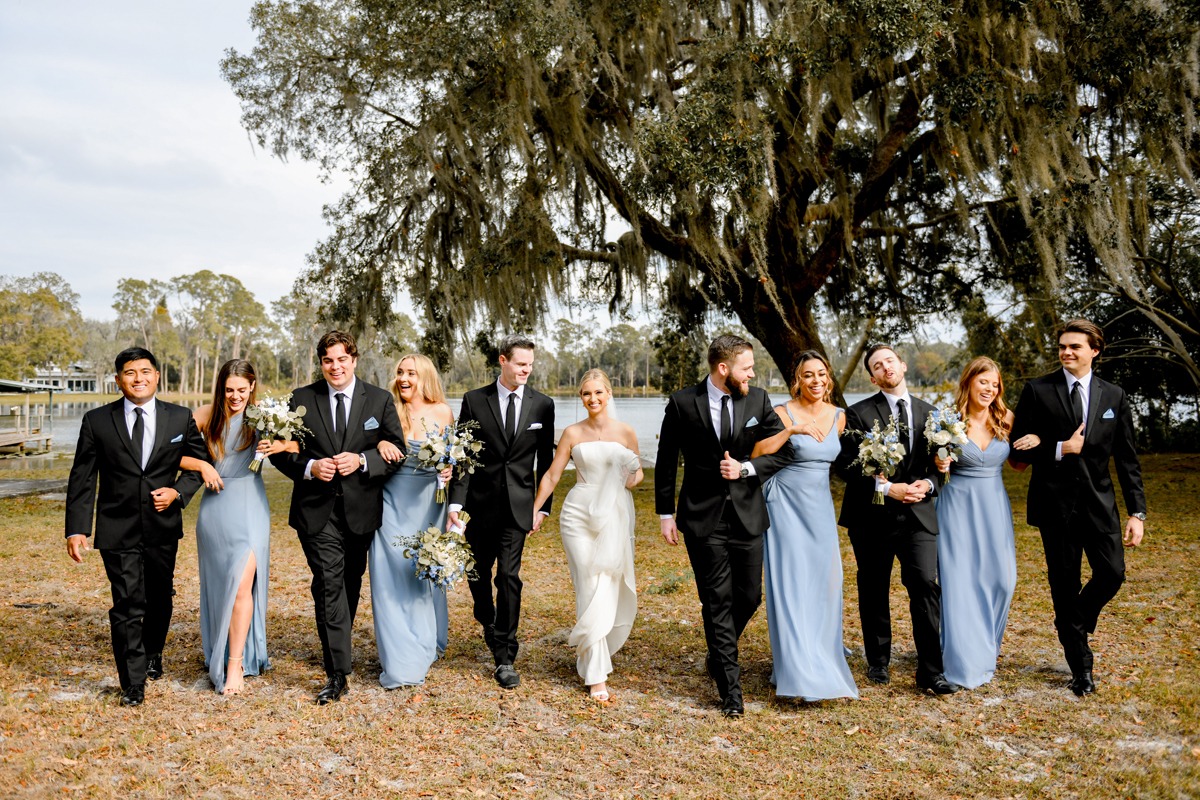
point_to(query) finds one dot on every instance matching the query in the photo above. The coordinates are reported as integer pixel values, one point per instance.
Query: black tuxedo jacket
(506, 475)
(373, 418)
(1080, 485)
(687, 430)
(857, 509)
(125, 515)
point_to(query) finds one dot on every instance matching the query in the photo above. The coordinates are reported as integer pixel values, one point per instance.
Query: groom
(134, 446)
(337, 492)
(904, 528)
(1083, 423)
(516, 425)
(721, 512)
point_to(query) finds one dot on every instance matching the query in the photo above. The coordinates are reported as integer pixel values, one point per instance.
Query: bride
(596, 523)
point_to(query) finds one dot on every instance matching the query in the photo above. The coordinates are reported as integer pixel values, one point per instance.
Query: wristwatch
(745, 473)
(1140, 515)
(362, 461)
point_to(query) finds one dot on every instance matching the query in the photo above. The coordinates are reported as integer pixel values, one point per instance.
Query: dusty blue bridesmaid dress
(977, 563)
(232, 524)
(803, 565)
(410, 614)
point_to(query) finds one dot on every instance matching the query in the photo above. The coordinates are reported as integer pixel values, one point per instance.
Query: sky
(122, 152)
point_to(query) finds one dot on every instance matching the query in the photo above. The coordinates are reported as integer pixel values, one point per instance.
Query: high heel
(599, 692)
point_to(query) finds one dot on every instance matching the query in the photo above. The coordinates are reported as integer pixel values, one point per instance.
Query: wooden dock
(24, 441)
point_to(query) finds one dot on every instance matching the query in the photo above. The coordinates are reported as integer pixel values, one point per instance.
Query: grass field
(1025, 735)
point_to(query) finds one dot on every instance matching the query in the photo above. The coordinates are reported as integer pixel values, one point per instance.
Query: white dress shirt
(503, 392)
(1085, 391)
(148, 425)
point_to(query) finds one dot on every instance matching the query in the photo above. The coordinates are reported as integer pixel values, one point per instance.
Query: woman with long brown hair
(977, 559)
(232, 533)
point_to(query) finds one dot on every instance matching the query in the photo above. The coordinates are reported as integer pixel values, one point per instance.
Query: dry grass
(1024, 735)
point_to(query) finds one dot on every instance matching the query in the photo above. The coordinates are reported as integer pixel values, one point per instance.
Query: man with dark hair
(516, 426)
(1078, 424)
(904, 528)
(721, 513)
(134, 446)
(337, 493)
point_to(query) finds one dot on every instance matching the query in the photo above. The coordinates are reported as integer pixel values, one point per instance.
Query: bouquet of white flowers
(453, 446)
(880, 452)
(272, 419)
(441, 557)
(945, 430)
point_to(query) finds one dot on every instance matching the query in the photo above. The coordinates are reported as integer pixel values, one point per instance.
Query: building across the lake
(79, 377)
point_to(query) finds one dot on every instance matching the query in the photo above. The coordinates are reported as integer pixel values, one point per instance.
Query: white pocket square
(1109, 414)
(371, 424)
(177, 439)
(752, 422)
(536, 426)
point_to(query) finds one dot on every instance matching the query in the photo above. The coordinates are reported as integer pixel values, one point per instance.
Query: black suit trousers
(337, 559)
(875, 550)
(1076, 609)
(728, 565)
(498, 542)
(143, 591)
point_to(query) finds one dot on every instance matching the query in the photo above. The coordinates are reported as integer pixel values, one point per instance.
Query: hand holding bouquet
(946, 431)
(880, 453)
(454, 446)
(271, 418)
(441, 557)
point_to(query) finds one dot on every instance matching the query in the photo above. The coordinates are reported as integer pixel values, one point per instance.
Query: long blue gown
(977, 563)
(411, 619)
(232, 524)
(803, 565)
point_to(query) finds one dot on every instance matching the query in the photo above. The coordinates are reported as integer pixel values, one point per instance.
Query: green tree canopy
(764, 152)
(40, 324)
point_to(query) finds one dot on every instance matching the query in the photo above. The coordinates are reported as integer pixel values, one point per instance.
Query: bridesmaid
(977, 559)
(411, 619)
(232, 534)
(801, 556)
(596, 525)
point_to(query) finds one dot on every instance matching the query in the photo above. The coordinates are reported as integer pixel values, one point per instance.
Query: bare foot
(233, 677)
(599, 692)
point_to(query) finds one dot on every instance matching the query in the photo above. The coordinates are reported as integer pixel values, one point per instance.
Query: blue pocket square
(177, 439)
(752, 422)
(536, 426)
(371, 424)
(1108, 414)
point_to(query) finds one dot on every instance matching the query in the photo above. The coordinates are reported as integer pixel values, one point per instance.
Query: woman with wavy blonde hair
(977, 559)
(410, 614)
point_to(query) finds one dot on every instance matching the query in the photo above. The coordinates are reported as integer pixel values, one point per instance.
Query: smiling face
(408, 382)
(1076, 354)
(338, 367)
(515, 371)
(983, 390)
(887, 370)
(737, 374)
(595, 396)
(814, 380)
(138, 381)
(237, 393)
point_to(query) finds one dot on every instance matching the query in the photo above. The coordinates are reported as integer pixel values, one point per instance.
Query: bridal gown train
(410, 613)
(232, 524)
(596, 524)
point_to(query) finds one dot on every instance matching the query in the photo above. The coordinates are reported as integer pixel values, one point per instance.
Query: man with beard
(721, 511)
(904, 527)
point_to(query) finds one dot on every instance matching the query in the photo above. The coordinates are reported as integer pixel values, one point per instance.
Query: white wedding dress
(596, 523)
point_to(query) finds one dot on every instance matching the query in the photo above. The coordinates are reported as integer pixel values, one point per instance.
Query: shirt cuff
(308, 469)
(749, 467)
(362, 462)
(1058, 451)
(454, 508)
(665, 516)
(543, 513)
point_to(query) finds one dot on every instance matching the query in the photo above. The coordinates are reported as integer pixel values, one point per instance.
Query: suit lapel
(705, 415)
(523, 419)
(321, 400)
(358, 405)
(118, 418)
(493, 403)
(739, 417)
(160, 429)
(1064, 399)
(1094, 401)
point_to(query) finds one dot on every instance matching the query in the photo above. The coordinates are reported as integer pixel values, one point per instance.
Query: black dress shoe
(937, 684)
(732, 707)
(334, 688)
(507, 677)
(134, 696)
(1083, 684)
(878, 674)
(154, 667)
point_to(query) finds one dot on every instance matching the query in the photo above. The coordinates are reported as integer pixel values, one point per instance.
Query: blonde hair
(997, 411)
(428, 382)
(596, 375)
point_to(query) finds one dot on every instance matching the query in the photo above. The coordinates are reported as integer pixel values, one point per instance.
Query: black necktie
(139, 433)
(1077, 403)
(902, 423)
(510, 418)
(726, 423)
(339, 420)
